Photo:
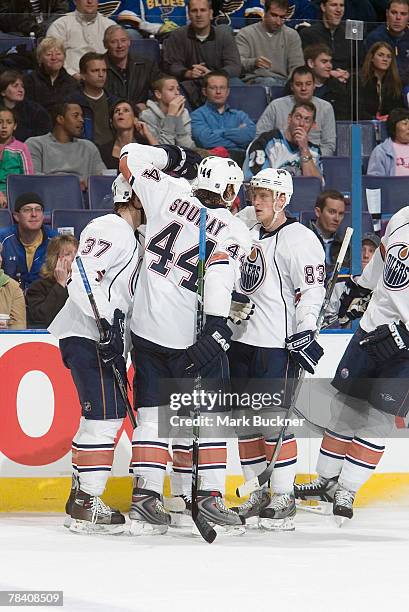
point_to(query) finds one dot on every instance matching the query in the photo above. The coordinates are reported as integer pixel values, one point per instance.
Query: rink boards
(40, 413)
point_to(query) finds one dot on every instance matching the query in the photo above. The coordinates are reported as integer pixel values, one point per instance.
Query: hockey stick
(206, 531)
(116, 372)
(258, 481)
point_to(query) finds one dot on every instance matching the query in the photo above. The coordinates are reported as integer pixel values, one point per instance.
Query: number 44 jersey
(284, 276)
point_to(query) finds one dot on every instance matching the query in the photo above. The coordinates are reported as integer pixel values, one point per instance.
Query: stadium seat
(394, 192)
(275, 91)
(5, 217)
(8, 41)
(369, 138)
(148, 47)
(75, 220)
(252, 99)
(99, 192)
(57, 191)
(306, 191)
(337, 173)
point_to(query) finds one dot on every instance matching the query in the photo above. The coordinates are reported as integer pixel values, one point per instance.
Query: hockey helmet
(279, 181)
(215, 173)
(121, 190)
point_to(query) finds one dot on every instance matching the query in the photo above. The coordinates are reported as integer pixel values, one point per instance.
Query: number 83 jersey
(284, 276)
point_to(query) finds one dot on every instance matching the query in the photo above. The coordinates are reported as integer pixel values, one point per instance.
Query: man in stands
(63, 151)
(25, 243)
(329, 213)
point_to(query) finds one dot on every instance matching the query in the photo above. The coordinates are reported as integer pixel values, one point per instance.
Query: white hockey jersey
(388, 275)
(284, 276)
(109, 252)
(164, 310)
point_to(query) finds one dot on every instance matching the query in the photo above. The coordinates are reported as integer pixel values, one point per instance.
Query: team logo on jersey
(396, 268)
(253, 271)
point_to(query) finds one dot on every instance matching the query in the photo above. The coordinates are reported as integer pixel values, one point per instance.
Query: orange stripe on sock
(288, 450)
(250, 449)
(94, 457)
(362, 453)
(332, 445)
(182, 459)
(212, 455)
(141, 454)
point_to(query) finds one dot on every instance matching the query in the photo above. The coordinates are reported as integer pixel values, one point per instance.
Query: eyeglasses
(28, 210)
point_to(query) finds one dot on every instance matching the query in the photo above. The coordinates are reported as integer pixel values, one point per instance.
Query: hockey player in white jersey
(164, 314)
(372, 376)
(109, 253)
(284, 276)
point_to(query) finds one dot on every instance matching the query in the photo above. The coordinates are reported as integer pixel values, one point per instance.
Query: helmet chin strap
(276, 209)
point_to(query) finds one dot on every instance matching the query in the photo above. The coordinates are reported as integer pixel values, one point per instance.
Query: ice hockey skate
(343, 505)
(257, 501)
(148, 515)
(279, 514)
(316, 496)
(70, 501)
(214, 510)
(90, 515)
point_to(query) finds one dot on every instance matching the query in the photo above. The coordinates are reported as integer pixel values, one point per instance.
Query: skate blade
(314, 506)
(88, 528)
(174, 504)
(141, 528)
(67, 521)
(267, 524)
(340, 520)
(223, 530)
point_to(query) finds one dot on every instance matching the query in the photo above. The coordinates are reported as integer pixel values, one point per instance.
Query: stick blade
(206, 531)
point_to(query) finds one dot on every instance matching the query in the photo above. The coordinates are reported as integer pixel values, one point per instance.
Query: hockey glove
(213, 341)
(386, 341)
(241, 308)
(181, 162)
(351, 305)
(305, 350)
(111, 348)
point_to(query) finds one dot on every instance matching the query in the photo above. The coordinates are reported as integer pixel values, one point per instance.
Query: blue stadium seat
(306, 192)
(148, 47)
(99, 192)
(8, 41)
(337, 173)
(74, 219)
(57, 191)
(394, 192)
(5, 217)
(276, 91)
(252, 99)
(369, 137)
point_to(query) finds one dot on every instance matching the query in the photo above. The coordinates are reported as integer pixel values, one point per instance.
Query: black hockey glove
(213, 341)
(353, 301)
(305, 350)
(241, 308)
(181, 162)
(386, 341)
(111, 348)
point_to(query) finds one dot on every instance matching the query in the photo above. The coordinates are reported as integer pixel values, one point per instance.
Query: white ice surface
(361, 566)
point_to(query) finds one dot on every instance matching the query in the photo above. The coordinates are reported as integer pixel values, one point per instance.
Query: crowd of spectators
(88, 93)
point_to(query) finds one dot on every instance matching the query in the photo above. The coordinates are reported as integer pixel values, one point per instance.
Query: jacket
(382, 161)
(372, 103)
(141, 72)
(17, 15)
(318, 33)
(12, 302)
(219, 51)
(213, 129)
(44, 298)
(168, 130)
(14, 255)
(400, 46)
(77, 96)
(32, 120)
(40, 88)
(15, 159)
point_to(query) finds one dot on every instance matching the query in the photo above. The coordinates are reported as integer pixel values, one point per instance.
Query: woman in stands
(126, 128)
(380, 83)
(15, 158)
(47, 295)
(49, 83)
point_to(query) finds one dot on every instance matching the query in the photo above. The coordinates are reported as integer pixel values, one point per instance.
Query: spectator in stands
(215, 124)
(380, 84)
(63, 151)
(129, 75)
(288, 149)
(329, 213)
(25, 16)
(126, 128)
(15, 157)
(319, 59)
(394, 32)
(11, 301)
(391, 157)
(93, 99)
(46, 296)
(166, 117)
(32, 118)
(192, 51)
(25, 242)
(331, 32)
(81, 31)
(302, 85)
(49, 84)
(370, 242)
(269, 50)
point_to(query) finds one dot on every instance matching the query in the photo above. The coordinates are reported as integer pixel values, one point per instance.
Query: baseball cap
(27, 198)
(374, 238)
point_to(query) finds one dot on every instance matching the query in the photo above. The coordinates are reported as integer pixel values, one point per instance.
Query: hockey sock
(149, 452)
(362, 457)
(252, 455)
(212, 464)
(94, 444)
(181, 475)
(332, 454)
(282, 478)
